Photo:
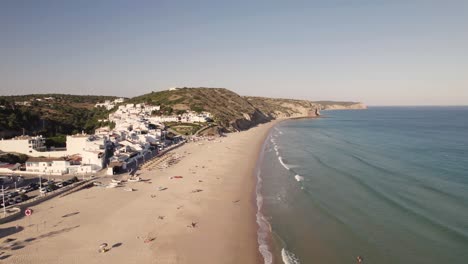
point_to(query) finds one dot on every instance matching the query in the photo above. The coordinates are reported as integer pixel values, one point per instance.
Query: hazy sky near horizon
(378, 52)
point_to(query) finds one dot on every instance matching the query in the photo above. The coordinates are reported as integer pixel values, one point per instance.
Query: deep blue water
(389, 184)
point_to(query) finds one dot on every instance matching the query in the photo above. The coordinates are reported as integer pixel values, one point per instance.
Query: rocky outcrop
(285, 108)
(344, 107)
(250, 120)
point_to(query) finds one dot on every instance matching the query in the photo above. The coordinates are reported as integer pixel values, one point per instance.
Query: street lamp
(40, 184)
(3, 195)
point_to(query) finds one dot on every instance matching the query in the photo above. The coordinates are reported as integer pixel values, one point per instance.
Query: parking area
(17, 189)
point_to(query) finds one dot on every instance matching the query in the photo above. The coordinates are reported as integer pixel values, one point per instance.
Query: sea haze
(389, 184)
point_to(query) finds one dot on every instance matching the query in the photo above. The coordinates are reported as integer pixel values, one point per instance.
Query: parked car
(45, 189)
(18, 199)
(49, 183)
(23, 189)
(11, 194)
(74, 179)
(6, 179)
(34, 186)
(65, 183)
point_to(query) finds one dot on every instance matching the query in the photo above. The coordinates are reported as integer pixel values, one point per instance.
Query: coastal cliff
(330, 105)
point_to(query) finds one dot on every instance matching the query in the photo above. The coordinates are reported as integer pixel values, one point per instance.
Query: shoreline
(268, 248)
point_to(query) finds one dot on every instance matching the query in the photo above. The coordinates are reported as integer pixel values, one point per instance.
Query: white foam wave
(289, 257)
(264, 226)
(282, 163)
(279, 131)
(299, 178)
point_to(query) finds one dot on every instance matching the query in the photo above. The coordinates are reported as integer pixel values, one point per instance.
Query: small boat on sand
(134, 179)
(113, 185)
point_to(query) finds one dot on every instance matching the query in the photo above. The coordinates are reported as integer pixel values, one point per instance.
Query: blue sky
(378, 52)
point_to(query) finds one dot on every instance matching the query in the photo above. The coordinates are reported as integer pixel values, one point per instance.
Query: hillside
(230, 110)
(55, 115)
(283, 108)
(49, 114)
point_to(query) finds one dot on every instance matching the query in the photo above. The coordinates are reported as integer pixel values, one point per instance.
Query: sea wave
(299, 178)
(289, 257)
(263, 225)
(264, 228)
(282, 163)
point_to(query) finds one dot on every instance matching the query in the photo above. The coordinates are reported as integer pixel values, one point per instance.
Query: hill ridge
(66, 113)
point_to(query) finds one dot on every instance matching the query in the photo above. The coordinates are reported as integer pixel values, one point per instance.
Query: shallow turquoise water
(388, 184)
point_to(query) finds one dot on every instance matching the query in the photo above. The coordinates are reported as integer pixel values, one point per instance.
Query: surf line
(282, 163)
(297, 177)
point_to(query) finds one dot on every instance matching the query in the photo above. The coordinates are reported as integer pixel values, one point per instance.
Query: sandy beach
(208, 216)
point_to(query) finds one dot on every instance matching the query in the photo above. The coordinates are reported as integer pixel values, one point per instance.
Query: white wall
(15, 145)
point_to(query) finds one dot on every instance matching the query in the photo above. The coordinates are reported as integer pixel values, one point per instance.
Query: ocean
(388, 184)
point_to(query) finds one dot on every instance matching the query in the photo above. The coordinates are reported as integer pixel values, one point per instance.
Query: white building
(23, 144)
(47, 165)
(92, 148)
(56, 166)
(110, 104)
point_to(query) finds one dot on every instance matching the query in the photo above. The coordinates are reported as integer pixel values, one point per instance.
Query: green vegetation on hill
(226, 106)
(230, 110)
(13, 158)
(50, 114)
